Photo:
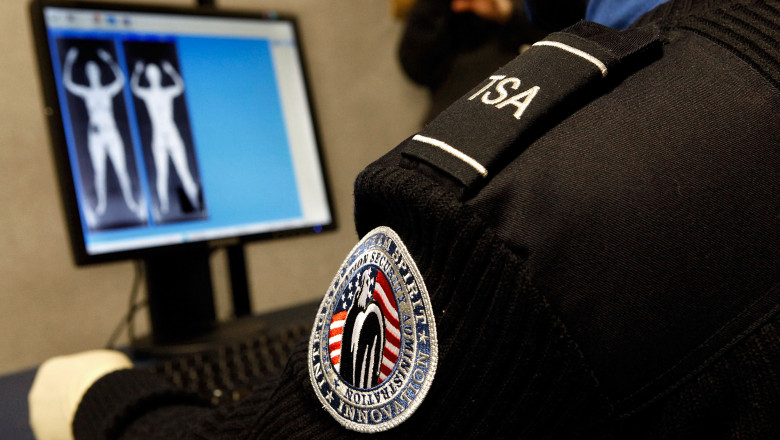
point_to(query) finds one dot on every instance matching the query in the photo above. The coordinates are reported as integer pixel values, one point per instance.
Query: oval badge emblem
(373, 349)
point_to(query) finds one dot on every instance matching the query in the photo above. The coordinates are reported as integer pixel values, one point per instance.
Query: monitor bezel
(58, 141)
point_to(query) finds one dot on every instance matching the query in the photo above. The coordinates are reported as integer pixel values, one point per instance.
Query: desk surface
(13, 405)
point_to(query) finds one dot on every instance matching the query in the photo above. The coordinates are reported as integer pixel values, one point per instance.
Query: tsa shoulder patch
(373, 349)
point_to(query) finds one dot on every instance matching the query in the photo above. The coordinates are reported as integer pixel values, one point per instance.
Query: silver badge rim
(373, 417)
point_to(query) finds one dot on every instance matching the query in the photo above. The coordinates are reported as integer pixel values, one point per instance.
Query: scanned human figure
(166, 139)
(104, 141)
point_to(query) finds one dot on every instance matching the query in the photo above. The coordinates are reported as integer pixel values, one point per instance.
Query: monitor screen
(177, 126)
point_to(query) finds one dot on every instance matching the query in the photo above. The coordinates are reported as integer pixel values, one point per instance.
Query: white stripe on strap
(453, 151)
(577, 52)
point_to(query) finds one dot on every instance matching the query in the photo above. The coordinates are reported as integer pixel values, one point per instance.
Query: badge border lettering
(396, 398)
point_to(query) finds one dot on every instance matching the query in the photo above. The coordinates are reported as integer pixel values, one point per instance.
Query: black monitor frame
(178, 277)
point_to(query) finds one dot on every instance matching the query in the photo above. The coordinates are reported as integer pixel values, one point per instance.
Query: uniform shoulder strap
(493, 123)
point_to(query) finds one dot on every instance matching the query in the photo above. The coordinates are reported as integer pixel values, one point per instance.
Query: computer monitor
(176, 130)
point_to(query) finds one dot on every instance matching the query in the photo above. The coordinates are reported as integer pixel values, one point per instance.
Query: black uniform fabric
(617, 277)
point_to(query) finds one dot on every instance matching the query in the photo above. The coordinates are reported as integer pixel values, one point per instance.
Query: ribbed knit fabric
(507, 367)
(747, 28)
(118, 399)
(737, 397)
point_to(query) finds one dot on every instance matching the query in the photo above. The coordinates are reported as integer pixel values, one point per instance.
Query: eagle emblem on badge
(373, 349)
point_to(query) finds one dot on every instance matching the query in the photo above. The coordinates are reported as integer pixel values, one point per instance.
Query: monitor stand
(239, 281)
(180, 301)
(181, 305)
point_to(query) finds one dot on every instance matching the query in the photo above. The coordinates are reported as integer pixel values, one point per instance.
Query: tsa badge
(373, 349)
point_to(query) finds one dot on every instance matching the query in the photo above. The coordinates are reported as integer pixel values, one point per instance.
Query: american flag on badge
(383, 296)
(362, 361)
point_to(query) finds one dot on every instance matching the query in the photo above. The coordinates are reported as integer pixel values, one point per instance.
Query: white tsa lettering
(493, 80)
(521, 101)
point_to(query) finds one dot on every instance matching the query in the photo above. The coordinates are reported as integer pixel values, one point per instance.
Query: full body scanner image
(104, 141)
(166, 140)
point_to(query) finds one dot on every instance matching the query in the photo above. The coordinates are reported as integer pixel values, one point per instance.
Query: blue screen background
(239, 130)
